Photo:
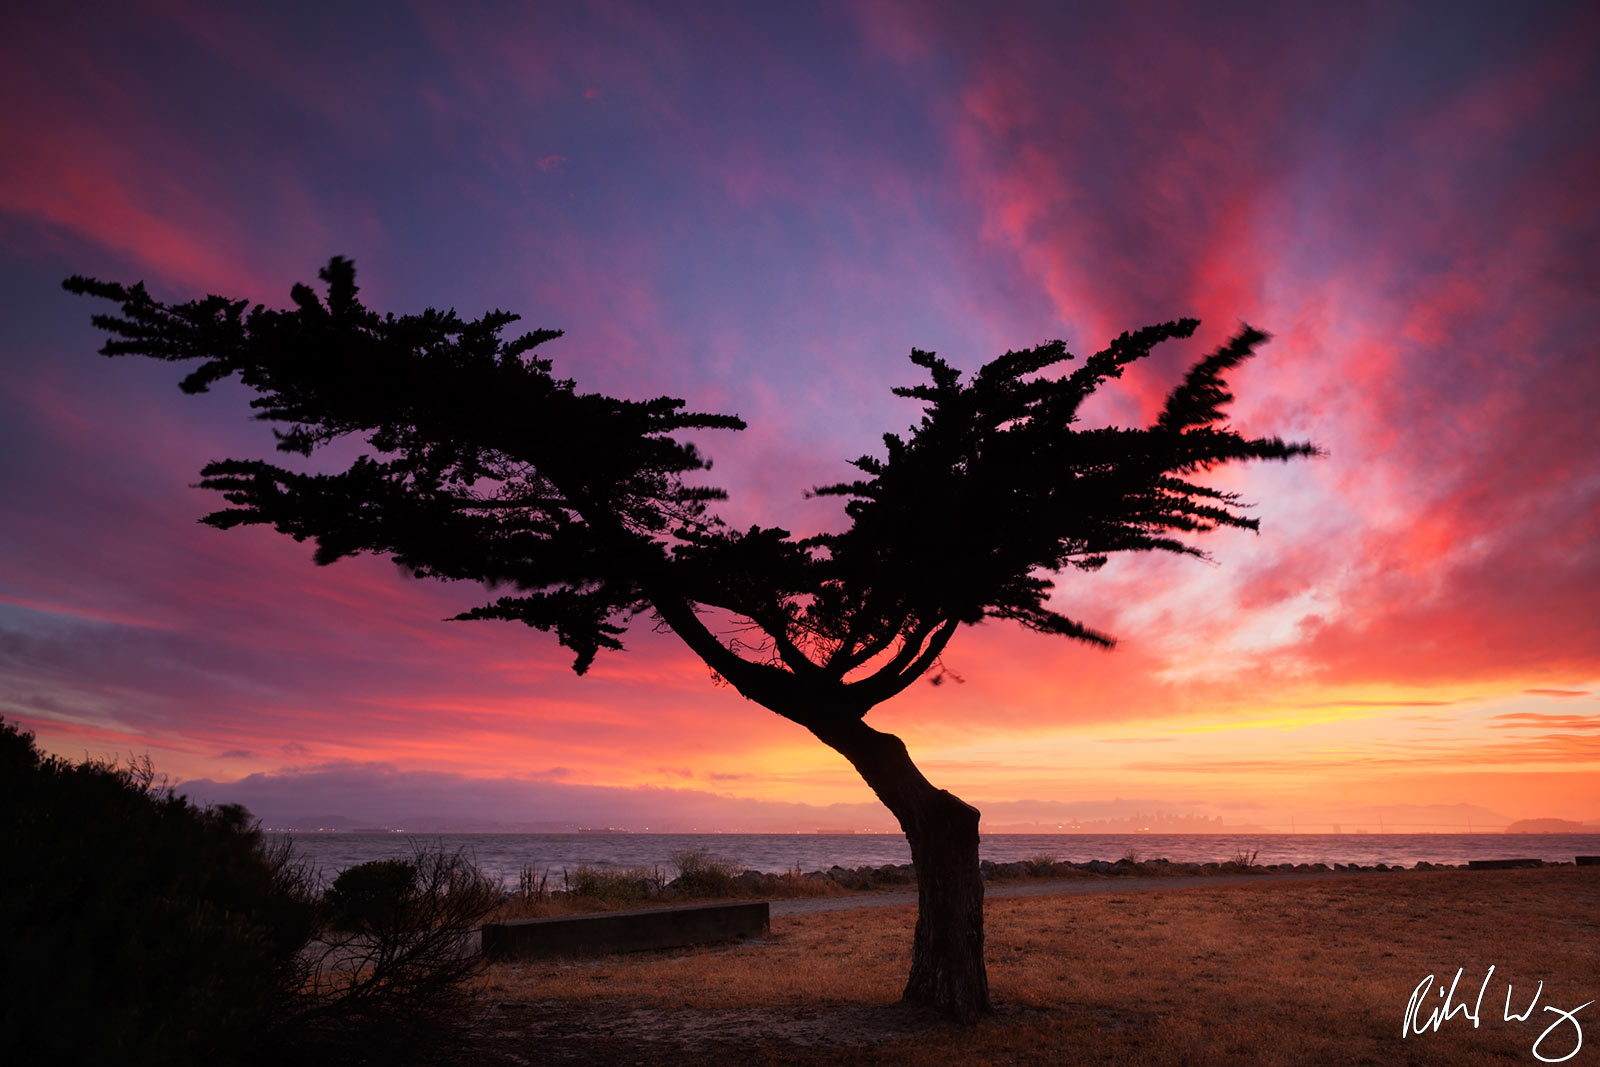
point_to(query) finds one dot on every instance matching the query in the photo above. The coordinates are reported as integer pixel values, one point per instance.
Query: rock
(890, 874)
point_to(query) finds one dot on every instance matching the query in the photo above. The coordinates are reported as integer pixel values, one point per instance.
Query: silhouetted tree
(486, 467)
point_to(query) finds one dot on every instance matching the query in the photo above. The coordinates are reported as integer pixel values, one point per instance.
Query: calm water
(505, 855)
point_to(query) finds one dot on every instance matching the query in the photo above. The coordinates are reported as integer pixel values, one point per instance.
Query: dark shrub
(137, 928)
(371, 895)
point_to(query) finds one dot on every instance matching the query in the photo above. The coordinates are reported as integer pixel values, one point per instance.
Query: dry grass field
(1308, 972)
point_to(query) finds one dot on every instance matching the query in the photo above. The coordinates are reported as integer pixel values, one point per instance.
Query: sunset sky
(761, 209)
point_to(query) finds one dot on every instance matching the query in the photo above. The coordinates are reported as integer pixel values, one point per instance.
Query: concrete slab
(1502, 865)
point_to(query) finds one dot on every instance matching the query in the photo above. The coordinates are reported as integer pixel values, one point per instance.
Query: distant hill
(1552, 826)
(344, 824)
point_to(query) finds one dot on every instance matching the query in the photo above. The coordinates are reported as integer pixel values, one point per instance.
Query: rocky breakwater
(893, 876)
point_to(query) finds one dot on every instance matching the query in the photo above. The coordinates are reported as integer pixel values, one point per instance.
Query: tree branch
(842, 663)
(907, 665)
(789, 653)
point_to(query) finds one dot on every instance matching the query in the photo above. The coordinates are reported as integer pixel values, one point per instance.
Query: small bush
(700, 874)
(371, 895)
(602, 885)
(1041, 865)
(795, 883)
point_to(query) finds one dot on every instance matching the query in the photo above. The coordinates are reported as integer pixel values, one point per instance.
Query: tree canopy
(485, 466)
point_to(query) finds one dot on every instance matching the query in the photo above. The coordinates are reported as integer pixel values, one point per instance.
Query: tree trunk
(947, 971)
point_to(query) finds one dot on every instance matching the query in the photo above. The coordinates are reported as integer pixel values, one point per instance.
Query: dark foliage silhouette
(140, 929)
(484, 466)
(137, 927)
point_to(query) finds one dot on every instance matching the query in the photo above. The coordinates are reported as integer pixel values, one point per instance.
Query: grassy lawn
(1264, 973)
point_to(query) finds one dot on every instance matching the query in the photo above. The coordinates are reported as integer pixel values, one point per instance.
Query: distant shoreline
(505, 856)
(1587, 830)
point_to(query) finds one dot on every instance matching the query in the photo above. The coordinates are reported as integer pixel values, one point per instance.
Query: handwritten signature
(1414, 1023)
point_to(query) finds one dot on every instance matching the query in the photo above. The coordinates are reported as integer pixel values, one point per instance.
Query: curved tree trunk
(947, 971)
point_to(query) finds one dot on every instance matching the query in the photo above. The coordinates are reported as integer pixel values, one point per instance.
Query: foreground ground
(1265, 971)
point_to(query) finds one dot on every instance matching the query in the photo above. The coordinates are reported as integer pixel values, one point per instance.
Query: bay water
(505, 856)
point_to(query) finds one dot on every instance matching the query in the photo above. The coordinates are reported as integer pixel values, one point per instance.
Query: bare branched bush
(393, 967)
(533, 887)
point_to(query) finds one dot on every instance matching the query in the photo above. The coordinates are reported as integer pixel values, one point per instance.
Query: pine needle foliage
(481, 465)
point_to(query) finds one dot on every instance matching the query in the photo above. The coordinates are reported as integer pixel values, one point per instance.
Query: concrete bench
(1502, 865)
(624, 931)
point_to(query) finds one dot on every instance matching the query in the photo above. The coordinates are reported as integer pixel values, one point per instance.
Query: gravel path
(890, 898)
